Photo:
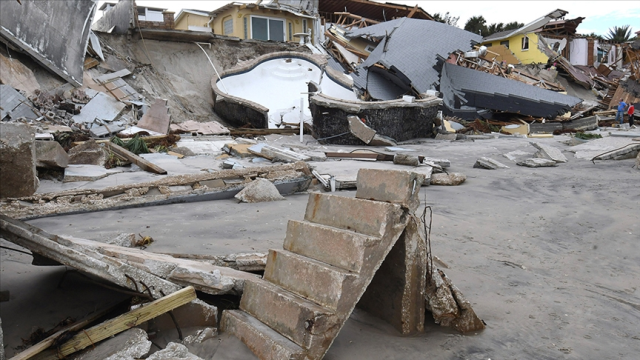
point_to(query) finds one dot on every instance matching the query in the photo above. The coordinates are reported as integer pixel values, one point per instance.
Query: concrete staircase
(311, 287)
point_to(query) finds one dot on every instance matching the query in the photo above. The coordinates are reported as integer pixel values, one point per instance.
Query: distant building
(523, 42)
(121, 17)
(268, 22)
(194, 20)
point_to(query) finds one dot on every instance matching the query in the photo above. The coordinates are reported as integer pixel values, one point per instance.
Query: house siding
(191, 20)
(238, 14)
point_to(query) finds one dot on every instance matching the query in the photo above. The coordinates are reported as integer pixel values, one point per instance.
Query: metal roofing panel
(413, 47)
(462, 86)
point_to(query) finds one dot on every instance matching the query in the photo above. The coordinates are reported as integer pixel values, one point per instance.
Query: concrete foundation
(18, 175)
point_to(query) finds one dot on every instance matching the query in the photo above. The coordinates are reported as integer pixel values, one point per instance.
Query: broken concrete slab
(489, 163)
(450, 179)
(360, 130)
(18, 174)
(537, 162)
(241, 150)
(627, 152)
(18, 76)
(425, 170)
(14, 104)
(124, 239)
(515, 155)
(197, 128)
(274, 153)
(406, 159)
(89, 153)
(259, 190)
(444, 163)
(174, 351)
(131, 344)
(157, 118)
(448, 137)
(84, 172)
(549, 152)
(101, 107)
(50, 154)
(381, 140)
(112, 76)
(104, 130)
(448, 306)
(47, 32)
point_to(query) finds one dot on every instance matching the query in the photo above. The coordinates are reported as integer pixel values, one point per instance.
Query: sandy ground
(549, 258)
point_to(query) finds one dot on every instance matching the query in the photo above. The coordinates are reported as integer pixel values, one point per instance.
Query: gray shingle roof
(498, 35)
(462, 87)
(413, 48)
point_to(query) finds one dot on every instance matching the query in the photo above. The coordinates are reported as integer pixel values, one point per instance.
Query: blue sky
(599, 15)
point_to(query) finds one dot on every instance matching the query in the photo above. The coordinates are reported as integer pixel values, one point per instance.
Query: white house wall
(578, 51)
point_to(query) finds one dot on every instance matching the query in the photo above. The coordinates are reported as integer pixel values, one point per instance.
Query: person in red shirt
(631, 112)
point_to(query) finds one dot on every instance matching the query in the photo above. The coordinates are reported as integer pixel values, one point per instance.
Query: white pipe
(301, 119)
(213, 66)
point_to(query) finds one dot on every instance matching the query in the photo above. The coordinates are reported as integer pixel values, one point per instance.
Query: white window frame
(525, 42)
(284, 26)
(369, 48)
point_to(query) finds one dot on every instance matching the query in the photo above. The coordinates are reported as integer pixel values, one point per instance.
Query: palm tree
(446, 19)
(619, 34)
(476, 25)
(494, 28)
(512, 26)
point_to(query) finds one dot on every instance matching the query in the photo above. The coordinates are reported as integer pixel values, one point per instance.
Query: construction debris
(157, 119)
(450, 179)
(537, 162)
(549, 152)
(489, 164)
(17, 161)
(259, 190)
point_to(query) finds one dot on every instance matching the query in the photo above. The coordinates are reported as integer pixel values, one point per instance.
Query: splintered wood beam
(123, 322)
(46, 343)
(142, 163)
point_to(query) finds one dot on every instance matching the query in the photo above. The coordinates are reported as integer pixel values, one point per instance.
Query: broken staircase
(310, 288)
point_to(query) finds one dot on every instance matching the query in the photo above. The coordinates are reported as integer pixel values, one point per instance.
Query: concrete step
(311, 279)
(359, 215)
(341, 248)
(266, 343)
(300, 320)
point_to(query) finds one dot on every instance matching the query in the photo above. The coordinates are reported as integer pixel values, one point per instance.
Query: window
(488, 45)
(246, 31)
(525, 43)
(267, 29)
(228, 26)
(304, 26)
(369, 48)
(290, 32)
(505, 43)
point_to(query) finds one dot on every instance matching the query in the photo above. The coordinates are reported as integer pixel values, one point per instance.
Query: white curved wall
(278, 85)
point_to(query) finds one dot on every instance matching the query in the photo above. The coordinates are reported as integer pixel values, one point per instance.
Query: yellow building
(195, 20)
(268, 22)
(523, 46)
(523, 42)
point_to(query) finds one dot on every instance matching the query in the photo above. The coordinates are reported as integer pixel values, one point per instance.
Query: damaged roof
(465, 91)
(373, 10)
(536, 24)
(410, 49)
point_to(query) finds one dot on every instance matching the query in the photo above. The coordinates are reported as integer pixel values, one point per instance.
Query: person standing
(631, 111)
(620, 113)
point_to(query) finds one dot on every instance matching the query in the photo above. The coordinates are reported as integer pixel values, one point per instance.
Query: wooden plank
(142, 163)
(112, 76)
(46, 343)
(123, 322)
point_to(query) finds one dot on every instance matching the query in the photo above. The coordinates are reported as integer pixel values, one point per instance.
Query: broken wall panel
(117, 20)
(465, 89)
(54, 33)
(397, 119)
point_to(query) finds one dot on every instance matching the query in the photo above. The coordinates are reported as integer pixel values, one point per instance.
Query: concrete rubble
(114, 126)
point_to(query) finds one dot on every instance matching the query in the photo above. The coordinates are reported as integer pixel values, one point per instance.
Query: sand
(548, 257)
